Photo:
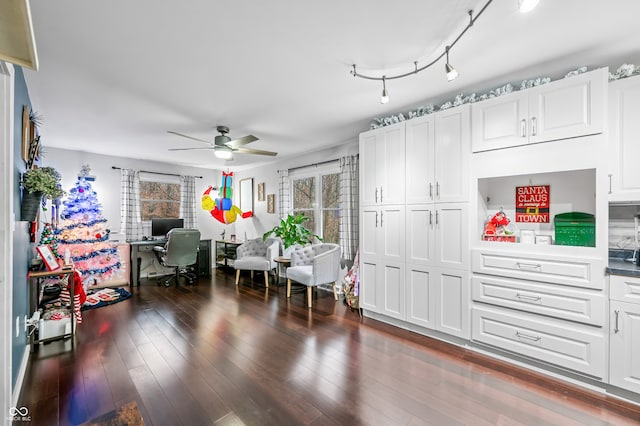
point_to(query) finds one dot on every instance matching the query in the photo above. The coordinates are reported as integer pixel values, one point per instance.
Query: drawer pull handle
(528, 337)
(616, 329)
(529, 298)
(528, 265)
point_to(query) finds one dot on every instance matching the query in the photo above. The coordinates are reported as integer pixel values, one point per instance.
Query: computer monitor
(161, 226)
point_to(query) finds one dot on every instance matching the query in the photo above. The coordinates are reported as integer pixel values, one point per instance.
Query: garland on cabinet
(624, 71)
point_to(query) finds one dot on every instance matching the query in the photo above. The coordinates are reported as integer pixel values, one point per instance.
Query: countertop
(619, 266)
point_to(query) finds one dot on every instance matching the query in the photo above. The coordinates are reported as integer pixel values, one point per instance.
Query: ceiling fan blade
(255, 151)
(237, 143)
(189, 149)
(188, 137)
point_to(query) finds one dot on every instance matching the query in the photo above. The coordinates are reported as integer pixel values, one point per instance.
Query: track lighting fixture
(384, 99)
(451, 71)
(527, 5)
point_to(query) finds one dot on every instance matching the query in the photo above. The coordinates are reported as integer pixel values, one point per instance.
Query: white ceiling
(116, 75)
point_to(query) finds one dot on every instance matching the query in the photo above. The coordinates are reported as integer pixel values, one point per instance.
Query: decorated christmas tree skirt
(97, 298)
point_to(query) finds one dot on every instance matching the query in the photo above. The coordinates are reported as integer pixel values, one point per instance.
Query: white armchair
(314, 265)
(257, 255)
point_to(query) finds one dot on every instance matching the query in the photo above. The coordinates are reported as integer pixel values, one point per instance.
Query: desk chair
(180, 251)
(257, 255)
(314, 265)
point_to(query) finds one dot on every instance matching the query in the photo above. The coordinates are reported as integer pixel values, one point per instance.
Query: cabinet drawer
(577, 272)
(583, 306)
(574, 346)
(624, 289)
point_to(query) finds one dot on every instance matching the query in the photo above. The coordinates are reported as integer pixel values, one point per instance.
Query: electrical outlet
(18, 326)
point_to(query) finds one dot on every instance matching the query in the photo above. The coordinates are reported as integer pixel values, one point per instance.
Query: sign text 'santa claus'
(532, 203)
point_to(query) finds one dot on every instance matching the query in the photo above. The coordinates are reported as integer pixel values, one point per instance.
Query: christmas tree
(48, 237)
(83, 232)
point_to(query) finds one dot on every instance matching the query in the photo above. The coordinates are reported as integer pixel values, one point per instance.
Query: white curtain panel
(188, 201)
(284, 194)
(349, 206)
(130, 219)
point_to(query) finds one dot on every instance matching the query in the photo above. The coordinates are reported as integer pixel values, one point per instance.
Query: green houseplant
(38, 183)
(292, 232)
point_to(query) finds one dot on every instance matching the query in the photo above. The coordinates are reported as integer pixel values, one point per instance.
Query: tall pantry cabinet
(414, 242)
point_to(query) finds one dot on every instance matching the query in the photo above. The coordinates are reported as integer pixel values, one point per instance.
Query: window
(317, 196)
(159, 197)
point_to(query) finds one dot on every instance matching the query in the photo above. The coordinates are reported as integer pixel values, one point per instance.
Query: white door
(368, 285)
(391, 165)
(421, 296)
(452, 234)
(391, 241)
(625, 346)
(420, 233)
(500, 122)
(6, 231)
(452, 151)
(420, 151)
(624, 134)
(453, 297)
(368, 164)
(568, 108)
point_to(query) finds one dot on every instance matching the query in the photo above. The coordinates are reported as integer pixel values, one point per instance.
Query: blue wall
(22, 248)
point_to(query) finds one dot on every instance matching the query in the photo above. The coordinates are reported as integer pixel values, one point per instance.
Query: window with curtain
(315, 192)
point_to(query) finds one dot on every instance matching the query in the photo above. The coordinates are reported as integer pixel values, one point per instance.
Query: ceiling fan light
(527, 5)
(223, 153)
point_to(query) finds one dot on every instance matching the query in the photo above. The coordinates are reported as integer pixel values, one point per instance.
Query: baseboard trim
(22, 371)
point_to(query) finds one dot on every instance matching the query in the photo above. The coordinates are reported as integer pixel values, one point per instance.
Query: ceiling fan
(224, 146)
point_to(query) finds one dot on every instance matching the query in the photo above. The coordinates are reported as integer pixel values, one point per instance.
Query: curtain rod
(155, 173)
(315, 164)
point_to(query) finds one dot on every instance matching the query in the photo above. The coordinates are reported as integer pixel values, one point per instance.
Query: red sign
(532, 204)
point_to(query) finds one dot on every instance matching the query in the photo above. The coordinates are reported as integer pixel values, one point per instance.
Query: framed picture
(26, 133)
(246, 195)
(271, 203)
(47, 257)
(261, 191)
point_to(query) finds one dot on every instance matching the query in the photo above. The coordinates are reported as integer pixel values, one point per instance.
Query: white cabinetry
(562, 109)
(437, 156)
(624, 370)
(382, 161)
(624, 134)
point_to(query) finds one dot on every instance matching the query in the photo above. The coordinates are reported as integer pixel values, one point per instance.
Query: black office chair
(180, 251)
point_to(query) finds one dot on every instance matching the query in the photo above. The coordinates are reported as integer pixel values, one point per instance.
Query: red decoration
(533, 203)
(98, 236)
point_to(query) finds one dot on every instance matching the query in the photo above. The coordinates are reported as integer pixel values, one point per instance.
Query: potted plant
(38, 183)
(292, 232)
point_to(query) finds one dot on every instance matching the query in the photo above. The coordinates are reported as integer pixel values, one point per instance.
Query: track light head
(452, 73)
(527, 5)
(384, 99)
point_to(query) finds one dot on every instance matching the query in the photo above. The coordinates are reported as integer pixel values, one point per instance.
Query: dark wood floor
(217, 354)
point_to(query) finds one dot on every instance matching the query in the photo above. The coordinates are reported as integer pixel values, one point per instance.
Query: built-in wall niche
(622, 226)
(569, 191)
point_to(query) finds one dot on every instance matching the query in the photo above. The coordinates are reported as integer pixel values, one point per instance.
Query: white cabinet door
(382, 160)
(420, 151)
(568, 108)
(452, 151)
(453, 298)
(369, 220)
(421, 238)
(421, 296)
(624, 364)
(382, 288)
(624, 134)
(368, 290)
(391, 244)
(452, 235)
(500, 122)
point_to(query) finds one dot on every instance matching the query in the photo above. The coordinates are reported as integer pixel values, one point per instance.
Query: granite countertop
(619, 266)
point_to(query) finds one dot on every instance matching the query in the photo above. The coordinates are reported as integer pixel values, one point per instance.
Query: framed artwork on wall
(26, 133)
(271, 203)
(261, 191)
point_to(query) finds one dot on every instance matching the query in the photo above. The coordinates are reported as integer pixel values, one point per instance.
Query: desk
(203, 263)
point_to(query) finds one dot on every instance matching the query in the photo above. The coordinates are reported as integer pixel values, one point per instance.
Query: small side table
(283, 262)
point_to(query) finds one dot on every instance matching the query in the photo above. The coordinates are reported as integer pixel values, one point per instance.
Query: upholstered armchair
(257, 255)
(314, 265)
